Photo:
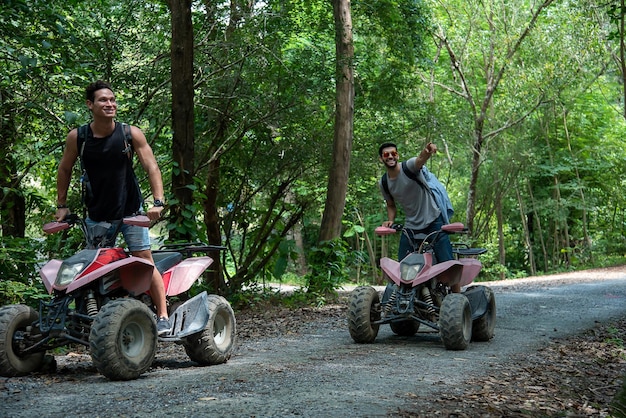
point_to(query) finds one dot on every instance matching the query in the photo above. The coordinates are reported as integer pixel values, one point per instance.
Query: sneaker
(163, 326)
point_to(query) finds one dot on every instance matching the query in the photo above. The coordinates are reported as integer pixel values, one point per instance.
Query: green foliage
(327, 262)
(12, 292)
(19, 263)
(18, 259)
(614, 338)
(264, 94)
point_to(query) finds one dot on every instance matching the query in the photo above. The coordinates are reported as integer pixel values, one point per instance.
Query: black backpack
(83, 131)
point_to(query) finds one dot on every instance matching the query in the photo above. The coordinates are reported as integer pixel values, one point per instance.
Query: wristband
(61, 206)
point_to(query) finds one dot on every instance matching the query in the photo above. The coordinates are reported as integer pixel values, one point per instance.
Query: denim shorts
(443, 247)
(136, 237)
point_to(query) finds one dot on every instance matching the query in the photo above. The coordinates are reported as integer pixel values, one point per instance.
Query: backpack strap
(128, 140)
(414, 177)
(383, 182)
(409, 174)
(83, 131)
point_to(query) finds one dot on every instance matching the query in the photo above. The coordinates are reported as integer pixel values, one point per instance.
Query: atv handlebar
(453, 228)
(56, 226)
(72, 218)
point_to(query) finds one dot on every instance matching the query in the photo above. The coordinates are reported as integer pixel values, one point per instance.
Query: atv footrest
(190, 318)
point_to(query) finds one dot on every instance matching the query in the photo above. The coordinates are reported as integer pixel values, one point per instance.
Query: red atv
(100, 299)
(419, 293)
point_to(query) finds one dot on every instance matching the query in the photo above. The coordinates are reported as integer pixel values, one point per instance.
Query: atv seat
(166, 259)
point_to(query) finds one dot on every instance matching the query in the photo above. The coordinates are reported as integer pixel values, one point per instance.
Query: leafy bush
(327, 262)
(12, 292)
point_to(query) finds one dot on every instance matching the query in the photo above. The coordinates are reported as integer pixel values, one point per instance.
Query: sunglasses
(393, 154)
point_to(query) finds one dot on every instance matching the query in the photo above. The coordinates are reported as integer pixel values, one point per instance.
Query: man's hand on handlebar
(154, 213)
(61, 214)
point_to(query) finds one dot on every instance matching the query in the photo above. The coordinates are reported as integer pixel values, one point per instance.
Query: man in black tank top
(115, 189)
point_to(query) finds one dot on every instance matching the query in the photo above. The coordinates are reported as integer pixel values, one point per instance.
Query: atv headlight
(408, 272)
(411, 265)
(68, 272)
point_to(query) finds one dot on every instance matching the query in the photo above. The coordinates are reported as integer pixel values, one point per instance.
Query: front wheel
(123, 339)
(15, 321)
(215, 344)
(363, 310)
(455, 321)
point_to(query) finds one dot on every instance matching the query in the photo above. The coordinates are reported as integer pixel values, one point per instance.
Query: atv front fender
(478, 299)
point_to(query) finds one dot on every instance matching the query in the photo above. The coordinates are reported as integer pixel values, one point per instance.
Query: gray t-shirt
(417, 202)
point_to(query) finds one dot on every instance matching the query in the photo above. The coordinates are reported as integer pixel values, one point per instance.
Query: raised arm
(423, 156)
(64, 174)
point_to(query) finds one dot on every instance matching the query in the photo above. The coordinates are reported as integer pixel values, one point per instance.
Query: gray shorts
(136, 237)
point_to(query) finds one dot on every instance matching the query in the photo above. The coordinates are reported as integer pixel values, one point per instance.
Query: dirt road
(313, 369)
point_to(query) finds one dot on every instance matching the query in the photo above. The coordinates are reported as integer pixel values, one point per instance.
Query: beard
(391, 162)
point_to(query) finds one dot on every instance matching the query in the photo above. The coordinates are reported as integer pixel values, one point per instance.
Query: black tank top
(115, 188)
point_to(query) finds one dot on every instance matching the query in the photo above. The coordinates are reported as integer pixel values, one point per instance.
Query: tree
(497, 57)
(616, 13)
(183, 120)
(344, 112)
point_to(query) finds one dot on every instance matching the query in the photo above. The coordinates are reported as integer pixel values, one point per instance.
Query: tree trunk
(622, 57)
(12, 202)
(344, 113)
(212, 222)
(182, 115)
(527, 241)
(586, 237)
(299, 242)
(501, 247)
(538, 229)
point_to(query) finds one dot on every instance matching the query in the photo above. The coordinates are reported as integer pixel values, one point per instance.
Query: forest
(266, 117)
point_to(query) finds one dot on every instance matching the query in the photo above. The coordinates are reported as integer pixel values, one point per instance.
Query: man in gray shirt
(422, 214)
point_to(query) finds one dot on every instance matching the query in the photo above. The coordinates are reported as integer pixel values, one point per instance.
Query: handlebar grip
(53, 227)
(138, 220)
(383, 230)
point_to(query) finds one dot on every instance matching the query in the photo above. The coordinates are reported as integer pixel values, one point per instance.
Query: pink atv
(100, 299)
(419, 293)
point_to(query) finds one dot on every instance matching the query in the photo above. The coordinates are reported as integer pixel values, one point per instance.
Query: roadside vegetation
(524, 99)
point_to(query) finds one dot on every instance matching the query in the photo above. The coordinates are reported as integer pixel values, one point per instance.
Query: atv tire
(406, 328)
(483, 328)
(123, 339)
(14, 322)
(215, 344)
(363, 310)
(455, 322)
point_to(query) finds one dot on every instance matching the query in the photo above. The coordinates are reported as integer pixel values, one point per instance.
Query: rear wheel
(483, 328)
(15, 321)
(123, 339)
(215, 344)
(363, 310)
(455, 322)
